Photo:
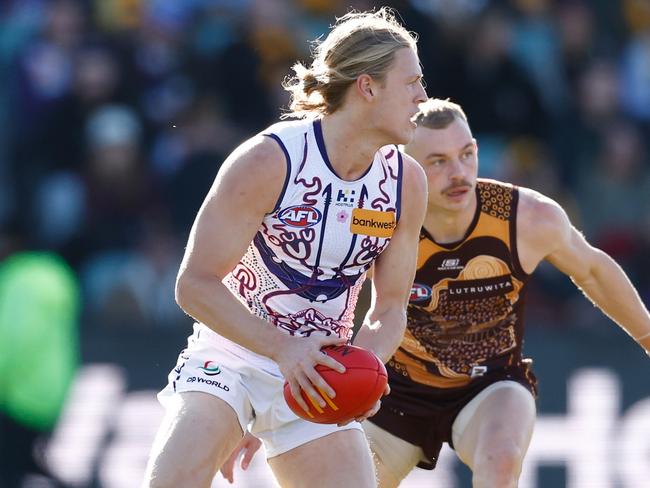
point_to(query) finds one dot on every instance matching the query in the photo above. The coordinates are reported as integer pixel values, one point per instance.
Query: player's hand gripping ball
(357, 390)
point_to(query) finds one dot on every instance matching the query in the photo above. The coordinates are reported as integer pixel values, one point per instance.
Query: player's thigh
(197, 434)
(337, 460)
(502, 415)
(394, 457)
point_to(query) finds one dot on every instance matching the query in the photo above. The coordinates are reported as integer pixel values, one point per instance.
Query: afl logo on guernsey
(300, 216)
(419, 293)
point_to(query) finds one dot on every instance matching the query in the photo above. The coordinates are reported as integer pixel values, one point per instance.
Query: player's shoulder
(253, 175)
(538, 204)
(259, 157)
(539, 214)
(286, 130)
(411, 168)
(414, 186)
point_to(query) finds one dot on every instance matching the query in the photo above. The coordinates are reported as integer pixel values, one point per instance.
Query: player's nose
(421, 95)
(456, 169)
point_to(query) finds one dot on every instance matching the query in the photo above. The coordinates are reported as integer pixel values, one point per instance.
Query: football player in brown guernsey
(459, 376)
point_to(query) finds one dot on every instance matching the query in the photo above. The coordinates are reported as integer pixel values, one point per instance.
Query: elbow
(194, 289)
(183, 290)
(587, 284)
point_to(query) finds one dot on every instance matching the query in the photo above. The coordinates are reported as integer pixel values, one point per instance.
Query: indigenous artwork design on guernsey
(285, 262)
(470, 315)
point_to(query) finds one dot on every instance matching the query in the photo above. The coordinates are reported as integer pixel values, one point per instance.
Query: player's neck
(448, 226)
(350, 148)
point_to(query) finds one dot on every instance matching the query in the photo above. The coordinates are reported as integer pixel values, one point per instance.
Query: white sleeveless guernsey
(305, 266)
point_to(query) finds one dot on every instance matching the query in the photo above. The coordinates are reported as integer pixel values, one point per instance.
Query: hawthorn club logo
(209, 370)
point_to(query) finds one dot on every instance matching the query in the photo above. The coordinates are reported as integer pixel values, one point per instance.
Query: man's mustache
(460, 184)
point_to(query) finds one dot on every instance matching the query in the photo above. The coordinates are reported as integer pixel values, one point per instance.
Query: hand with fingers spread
(297, 360)
(249, 445)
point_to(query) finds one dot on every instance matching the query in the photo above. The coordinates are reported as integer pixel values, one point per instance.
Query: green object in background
(39, 308)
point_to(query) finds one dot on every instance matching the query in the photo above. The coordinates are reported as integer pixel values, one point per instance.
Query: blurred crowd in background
(116, 115)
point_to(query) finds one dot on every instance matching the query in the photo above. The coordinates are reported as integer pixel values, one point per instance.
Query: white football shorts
(252, 386)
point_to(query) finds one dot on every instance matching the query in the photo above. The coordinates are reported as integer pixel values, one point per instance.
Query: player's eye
(420, 80)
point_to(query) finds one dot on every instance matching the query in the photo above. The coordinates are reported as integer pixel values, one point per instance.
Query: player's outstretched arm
(599, 277)
(394, 270)
(245, 190)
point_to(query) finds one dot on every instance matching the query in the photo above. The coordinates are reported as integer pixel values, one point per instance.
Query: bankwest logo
(372, 222)
(300, 216)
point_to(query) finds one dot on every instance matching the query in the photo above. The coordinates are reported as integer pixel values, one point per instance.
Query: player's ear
(364, 87)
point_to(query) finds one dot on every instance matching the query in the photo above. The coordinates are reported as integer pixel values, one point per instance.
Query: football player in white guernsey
(277, 255)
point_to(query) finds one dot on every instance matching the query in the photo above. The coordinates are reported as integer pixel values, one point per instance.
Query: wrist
(373, 348)
(276, 343)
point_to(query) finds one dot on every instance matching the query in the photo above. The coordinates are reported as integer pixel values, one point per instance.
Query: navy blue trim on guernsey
(400, 173)
(514, 205)
(320, 142)
(287, 176)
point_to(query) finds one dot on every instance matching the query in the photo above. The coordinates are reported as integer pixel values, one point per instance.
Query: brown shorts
(426, 420)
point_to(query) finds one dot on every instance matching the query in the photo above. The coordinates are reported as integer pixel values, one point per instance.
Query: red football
(357, 390)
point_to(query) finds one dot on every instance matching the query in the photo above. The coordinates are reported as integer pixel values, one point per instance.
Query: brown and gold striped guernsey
(465, 316)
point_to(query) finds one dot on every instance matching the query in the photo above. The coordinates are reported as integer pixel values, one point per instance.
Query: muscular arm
(394, 270)
(224, 227)
(246, 188)
(551, 236)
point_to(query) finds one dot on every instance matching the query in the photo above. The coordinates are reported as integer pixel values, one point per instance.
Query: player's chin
(453, 205)
(456, 206)
(405, 135)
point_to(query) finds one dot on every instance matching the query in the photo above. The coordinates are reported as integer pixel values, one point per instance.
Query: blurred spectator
(575, 24)
(40, 78)
(235, 77)
(637, 15)
(536, 47)
(119, 188)
(499, 96)
(120, 259)
(596, 105)
(613, 192)
(635, 77)
(188, 156)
